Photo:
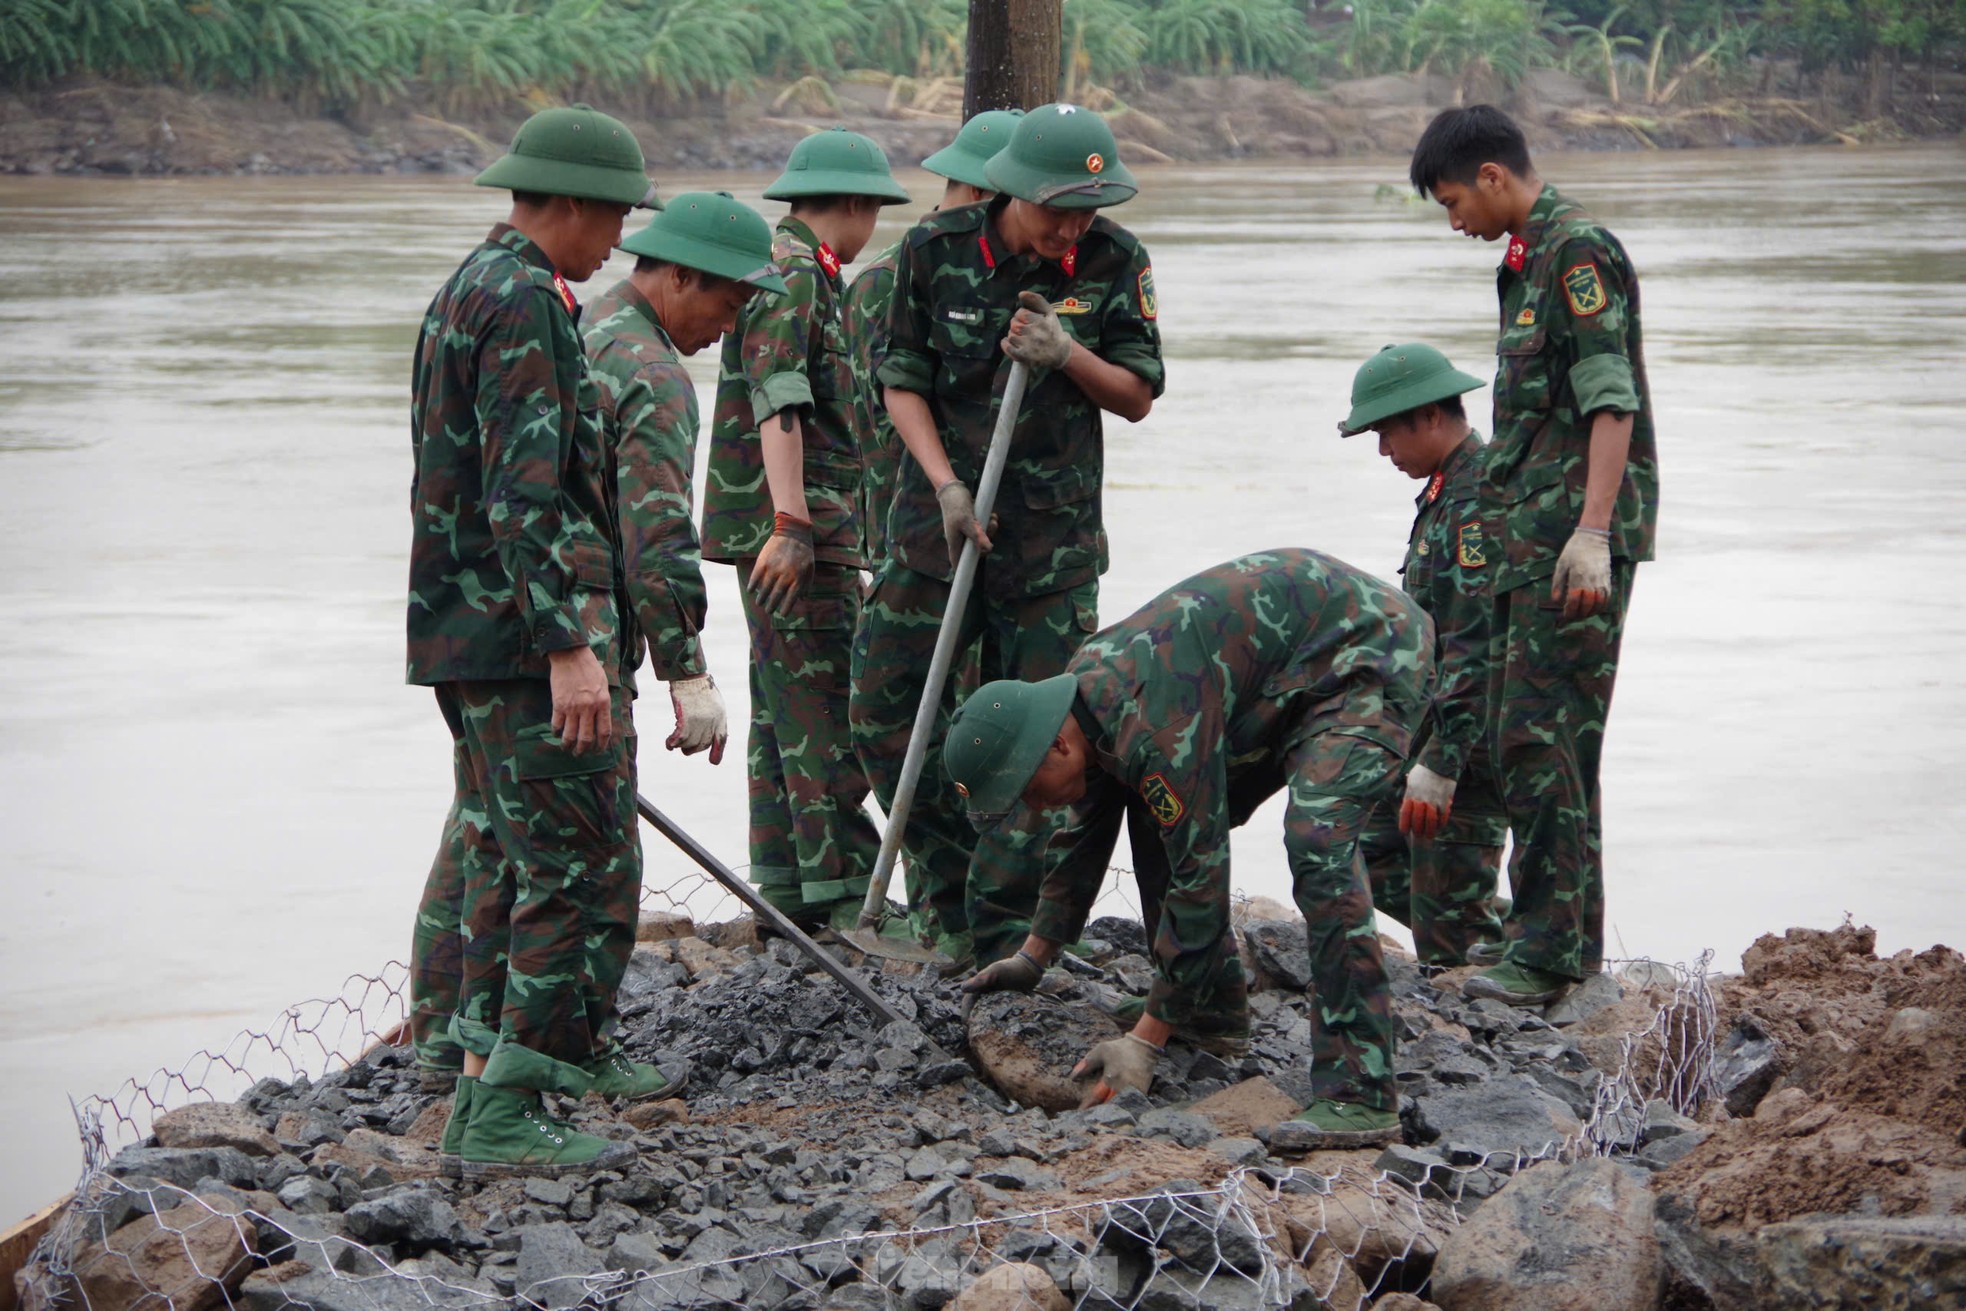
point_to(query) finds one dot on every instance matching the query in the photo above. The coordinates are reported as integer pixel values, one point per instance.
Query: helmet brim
(1112, 185)
(707, 257)
(959, 165)
(553, 177)
(1424, 391)
(832, 182)
(1050, 703)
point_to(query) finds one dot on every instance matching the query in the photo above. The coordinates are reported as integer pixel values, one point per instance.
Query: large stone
(554, 1264)
(1014, 1287)
(1027, 1045)
(1558, 1237)
(409, 1217)
(320, 1287)
(215, 1124)
(1907, 1263)
(189, 1257)
(186, 1166)
(1281, 953)
(1499, 1119)
(663, 926)
(1599, 992)
(1746, 1066)
(1722, 1263)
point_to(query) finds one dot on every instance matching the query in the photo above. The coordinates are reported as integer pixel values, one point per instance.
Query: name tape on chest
(969, 318)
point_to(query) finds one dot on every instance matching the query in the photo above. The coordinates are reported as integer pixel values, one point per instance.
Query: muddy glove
(1018, 973)
(1036, 337)
(959, 520)
(1121, 1063)
(700, 719)
(784, 567)
(1583, 573)
(1429, 801)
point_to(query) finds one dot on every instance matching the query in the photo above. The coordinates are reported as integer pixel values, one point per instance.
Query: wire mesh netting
(220, 1226)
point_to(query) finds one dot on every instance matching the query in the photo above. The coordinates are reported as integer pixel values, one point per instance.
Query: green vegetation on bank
(655, 54)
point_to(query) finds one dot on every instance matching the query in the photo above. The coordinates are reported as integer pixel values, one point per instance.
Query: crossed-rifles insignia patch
(1468, 546)
(1159, 795)
(1585, 290)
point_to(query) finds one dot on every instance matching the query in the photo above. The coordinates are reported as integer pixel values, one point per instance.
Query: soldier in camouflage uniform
(514, 620)
(1432, 864)
(1287, 670)
(1572, 481)
(1037, 274)
(782, 504)
(868, 300)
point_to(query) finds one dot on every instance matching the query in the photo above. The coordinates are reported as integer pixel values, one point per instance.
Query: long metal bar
(945, 649)
(767, 912)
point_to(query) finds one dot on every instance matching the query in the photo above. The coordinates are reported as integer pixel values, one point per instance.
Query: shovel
(865, 936)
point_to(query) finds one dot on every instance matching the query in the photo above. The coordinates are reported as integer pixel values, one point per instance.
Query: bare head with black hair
(1475, 162)
(1459, 141)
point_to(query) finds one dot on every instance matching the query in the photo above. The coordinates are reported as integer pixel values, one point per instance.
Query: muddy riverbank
(98, 128)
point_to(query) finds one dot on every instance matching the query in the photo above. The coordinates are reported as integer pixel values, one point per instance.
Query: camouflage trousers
(1444, 888)
(1550, 686)
(1335, 780)
(537, 880)
(1029, 637)
(813, 844)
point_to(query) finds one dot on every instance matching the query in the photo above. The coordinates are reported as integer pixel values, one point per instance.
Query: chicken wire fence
(1265, 1236)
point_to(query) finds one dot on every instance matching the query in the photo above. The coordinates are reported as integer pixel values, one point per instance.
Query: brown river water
(220, 798)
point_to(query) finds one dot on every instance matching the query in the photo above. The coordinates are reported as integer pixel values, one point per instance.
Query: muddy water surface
(220, 798)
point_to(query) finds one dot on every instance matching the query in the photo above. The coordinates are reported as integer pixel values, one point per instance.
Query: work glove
(1429, 801)
(1018, 973)
(1583, 574)
(784, 567)
(700, 719)
(959, 520)
(1036, 337)
(1121, 1063)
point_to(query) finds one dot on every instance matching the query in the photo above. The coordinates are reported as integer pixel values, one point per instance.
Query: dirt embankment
(99, 128)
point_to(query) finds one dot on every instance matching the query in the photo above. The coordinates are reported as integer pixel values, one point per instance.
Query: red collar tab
(828, 260)
(989, 256)
(1433, 488)
(1071, 262)
(1518, 254)
(566, 292)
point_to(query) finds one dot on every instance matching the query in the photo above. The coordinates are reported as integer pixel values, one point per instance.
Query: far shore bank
(95, 128)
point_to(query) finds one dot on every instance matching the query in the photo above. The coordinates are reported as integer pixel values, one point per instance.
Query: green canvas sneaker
(617, 1077)
(1324, 1125)
(453, 1138)
(509, 1135)
(1518, 985)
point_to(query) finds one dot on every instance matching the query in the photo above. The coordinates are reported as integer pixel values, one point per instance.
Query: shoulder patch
(1468, 545)
(1584, 289)
(1149, 306)
(1161, 800)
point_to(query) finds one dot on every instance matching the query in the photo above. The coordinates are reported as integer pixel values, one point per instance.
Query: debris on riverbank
(1647, 1141)
(96, 128)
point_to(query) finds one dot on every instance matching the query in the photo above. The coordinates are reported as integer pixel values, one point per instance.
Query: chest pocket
(830, 371)
(1523, 371)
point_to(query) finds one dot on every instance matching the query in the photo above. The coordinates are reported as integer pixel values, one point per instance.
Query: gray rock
(549, 1192)
(1576, 1237)
(906, 1035)
(1183, 1128)
(1745, 1066)
(1657, 1155)
(320, 1287)
(1177, 1290)
(1236, 1150)
(1577, 1091)
(308, 1195)
(185, 1166)
(413, 1217)
(634, 1252)
(553, 1265)
(1903, 1264)
(1418, 1166)
(859, 1297)
(1662, 1121)
(1282, 951)
(1504, 1117)
(1191, 1229)
(1584, 1000)
(1111, 1116)
(1015, 1174)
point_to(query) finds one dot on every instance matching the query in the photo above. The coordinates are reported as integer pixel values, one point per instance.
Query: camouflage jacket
(648, 414)
(1447, 571)
(955, 292)
(1199, 698)
(787, 351)
(1569, 347)
(510, 557)
(867, 301)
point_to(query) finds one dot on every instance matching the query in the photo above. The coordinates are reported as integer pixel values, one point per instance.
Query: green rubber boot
(1325, 1125)
(1218, 1035)
(454, 1127)
(618, 1078)
(1518, 985)
(509, 1134)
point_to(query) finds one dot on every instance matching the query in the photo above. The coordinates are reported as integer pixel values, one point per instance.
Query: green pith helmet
(1063, 156)
(1398, 379)
(710, 231)
(574, 151)
(963, 159)
(837, 163)
(999, 736)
